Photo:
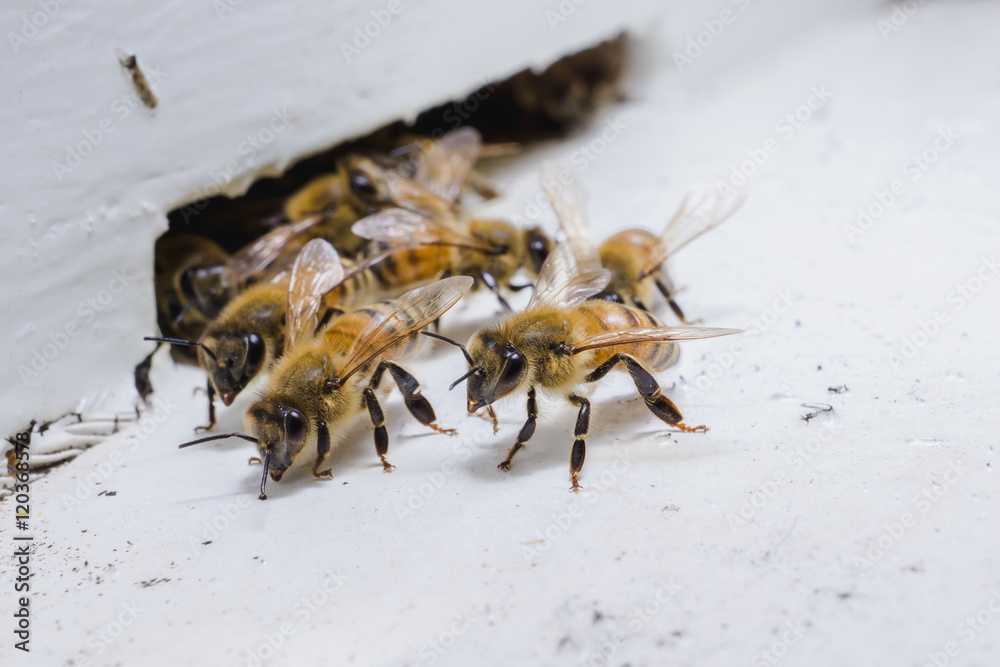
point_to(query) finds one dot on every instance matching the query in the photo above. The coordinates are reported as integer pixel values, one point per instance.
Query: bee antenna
(451, 342)
(263, 480)
(221, 436)
(472, 371)
(181, 341)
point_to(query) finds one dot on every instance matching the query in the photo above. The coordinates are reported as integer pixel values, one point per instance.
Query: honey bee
(637, 258)
(562, 341)
(248, 336)
(181, 264)
(324, 383)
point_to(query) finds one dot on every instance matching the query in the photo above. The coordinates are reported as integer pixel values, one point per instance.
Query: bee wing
(572, 272)
(705, 207)
(649, 335)
(449, 161)
(255, 257)
(568, 198)
(317, 270)
(563, 281)
(412, 312)
(398, 228)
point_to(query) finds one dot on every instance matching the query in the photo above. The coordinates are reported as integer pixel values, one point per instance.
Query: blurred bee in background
(636, 258)
(435, 231)
(181, 263)
(325, 382)
(562, 340)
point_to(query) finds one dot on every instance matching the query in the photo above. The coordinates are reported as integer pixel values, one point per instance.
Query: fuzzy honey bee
(636, 258)
(248, 336)
(562, 341)
(325, 382)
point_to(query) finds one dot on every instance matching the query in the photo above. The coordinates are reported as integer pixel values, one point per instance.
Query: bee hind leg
(527, 431)
(580, 444)
(418, 406)
(649, 389)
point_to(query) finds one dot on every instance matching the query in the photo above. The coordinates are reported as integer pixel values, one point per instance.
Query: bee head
(281, 431)
(232, 361)
(204, 286)
(366, 183)
(506, 250)
(498, 369)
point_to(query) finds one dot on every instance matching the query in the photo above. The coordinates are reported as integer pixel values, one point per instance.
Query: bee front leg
(669, 296)
(527, 431)
(378, 421)
(580, 444)
(210, 393)
(322, 449)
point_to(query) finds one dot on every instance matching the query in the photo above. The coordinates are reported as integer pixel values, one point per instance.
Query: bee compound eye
(256, 350)
(361, 185)
(294, 425)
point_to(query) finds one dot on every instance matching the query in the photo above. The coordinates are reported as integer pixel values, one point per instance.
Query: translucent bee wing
(257, 256)
(705, 207)
(448, 162)
(648, 335)
(317, 270)
(400, 228)
(412, 312)
(563, 282)
(572, 271)
(568, 199)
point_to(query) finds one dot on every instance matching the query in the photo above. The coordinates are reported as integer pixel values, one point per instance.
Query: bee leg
(639, 304)
(254, 459)
(527, 431)
(210, 392)
(491, 283)
(668, 295)
(518, 288)
(580, 444)
(649, 389)
(322, 449)
(378, 421)
(418, 406)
